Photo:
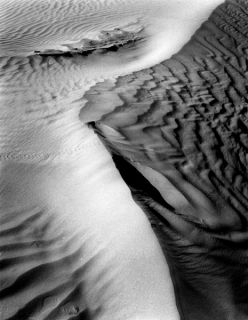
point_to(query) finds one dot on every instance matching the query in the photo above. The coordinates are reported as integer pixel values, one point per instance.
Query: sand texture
(73, 242)
(186, 120)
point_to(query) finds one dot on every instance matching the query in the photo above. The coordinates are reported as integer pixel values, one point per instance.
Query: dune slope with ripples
(74, 245)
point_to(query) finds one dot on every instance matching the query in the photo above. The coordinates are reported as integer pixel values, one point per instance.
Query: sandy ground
(68, 221)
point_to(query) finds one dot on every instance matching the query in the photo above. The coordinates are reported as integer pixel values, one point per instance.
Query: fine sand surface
(73, 242)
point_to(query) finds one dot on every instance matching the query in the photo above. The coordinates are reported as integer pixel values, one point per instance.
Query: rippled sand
(73, 242)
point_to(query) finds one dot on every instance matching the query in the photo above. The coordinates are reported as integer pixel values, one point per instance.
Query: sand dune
(73, 242)
(74, 245)
(67, 250)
